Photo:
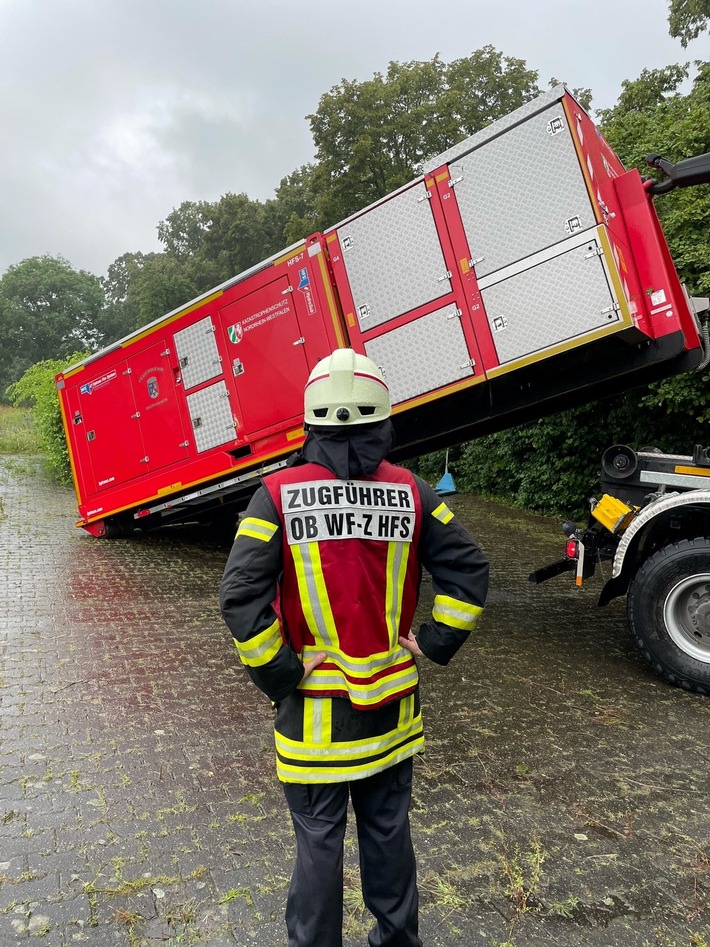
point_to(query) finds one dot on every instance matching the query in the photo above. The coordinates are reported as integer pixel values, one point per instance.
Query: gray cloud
(115, 111)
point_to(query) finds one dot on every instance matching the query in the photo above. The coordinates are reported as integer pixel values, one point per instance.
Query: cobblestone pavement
(561, 801)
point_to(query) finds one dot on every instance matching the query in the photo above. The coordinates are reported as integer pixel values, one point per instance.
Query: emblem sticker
(235, 332)
(91, 386)
(304, 286)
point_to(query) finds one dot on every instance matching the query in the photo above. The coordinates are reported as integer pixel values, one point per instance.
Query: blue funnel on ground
(446, 485)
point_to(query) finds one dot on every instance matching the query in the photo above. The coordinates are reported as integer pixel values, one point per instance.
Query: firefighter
(319, 592)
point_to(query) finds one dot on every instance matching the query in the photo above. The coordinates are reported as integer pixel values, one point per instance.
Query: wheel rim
(687, 616)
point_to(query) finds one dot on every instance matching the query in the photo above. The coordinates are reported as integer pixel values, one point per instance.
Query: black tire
(669, 612)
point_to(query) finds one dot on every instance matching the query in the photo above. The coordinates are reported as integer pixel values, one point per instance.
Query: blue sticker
(304, 278)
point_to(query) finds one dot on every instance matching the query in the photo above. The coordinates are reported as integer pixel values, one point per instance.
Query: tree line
(370, 138)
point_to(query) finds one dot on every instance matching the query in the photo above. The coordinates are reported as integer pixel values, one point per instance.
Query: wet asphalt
(562, 799)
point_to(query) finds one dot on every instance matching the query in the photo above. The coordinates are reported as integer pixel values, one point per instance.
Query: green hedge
(552, 465)
(36, 389)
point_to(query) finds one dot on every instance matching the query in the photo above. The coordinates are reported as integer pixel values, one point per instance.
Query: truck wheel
(669, 612)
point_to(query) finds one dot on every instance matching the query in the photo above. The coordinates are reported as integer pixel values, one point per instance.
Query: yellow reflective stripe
(361, 694)
(313, 594)
(455, 613)
(333, 677)
(397, 557)
(350, 750)
(339, 774)
(443, 513)
(359, 667)
(262, 647)
(257, 529)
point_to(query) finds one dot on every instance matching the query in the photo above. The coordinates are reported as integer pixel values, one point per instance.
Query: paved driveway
(562, 799)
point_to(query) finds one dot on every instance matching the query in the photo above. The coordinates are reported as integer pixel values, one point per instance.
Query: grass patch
(235, 894)
(18, 434)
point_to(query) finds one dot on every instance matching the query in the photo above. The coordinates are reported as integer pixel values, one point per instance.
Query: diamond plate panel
(197, 350)
(393, 258)
(522, 192)
(495, 128)
(557, 301)
(422, 355)
(211, 416)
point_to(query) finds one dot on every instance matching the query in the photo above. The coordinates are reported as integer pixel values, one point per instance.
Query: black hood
(348, 452)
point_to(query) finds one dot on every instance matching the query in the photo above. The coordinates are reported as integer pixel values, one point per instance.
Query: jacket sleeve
(247, 599)
(459, 572)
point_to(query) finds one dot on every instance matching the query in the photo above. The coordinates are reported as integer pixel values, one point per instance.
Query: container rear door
(107, 429)
(266, 357)
(156, 403)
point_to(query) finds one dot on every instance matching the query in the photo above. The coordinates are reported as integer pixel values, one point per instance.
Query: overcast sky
(113, 112)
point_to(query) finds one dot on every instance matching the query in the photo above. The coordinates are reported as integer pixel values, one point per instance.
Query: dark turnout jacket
(321, 739)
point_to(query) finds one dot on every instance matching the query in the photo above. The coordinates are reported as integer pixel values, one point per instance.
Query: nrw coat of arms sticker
(235, 332)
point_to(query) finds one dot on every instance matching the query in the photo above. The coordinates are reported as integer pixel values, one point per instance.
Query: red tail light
(572, 549)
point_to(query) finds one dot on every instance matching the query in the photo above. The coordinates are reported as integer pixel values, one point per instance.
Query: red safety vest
(351, 576)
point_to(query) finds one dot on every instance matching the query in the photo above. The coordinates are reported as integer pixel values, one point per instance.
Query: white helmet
(345, 389)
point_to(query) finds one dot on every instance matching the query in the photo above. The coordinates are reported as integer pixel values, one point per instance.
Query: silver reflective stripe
(457, 614)
(365, 667)
(443, 513)
(335, 681)
(318, 735)
(261, 648)
(257, 529)
(406, 712)
(310, 583)
(397, 557)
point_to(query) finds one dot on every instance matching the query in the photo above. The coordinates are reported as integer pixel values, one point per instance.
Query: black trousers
(314, 913)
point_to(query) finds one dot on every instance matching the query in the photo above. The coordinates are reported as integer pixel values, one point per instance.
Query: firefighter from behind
(319, 592)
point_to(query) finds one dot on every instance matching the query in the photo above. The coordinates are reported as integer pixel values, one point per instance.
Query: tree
(582, 94)
(47, 310)
(159, 286)
(209, 243)
(292, 216)
(372, 137)
(183, 231)
(36, 388)
(237, 238)
(141, 287)
(687, 19)
(653, 116)
(121, 313)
